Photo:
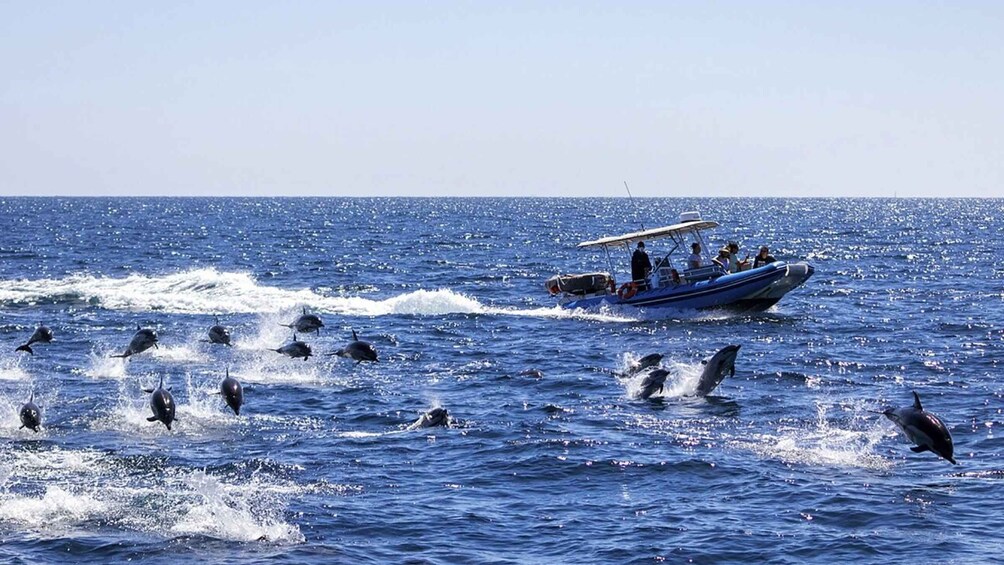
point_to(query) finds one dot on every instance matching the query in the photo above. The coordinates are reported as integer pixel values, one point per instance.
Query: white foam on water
(682, 380)
(822, 444)
(56, 508)
(200, 291)
(233, 514)
(179, 354)
(101, 366)
(10, 368)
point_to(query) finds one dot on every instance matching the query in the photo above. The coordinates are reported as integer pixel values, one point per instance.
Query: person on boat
(735, 264)
(641, 266)
(763, 258)
(694, 261)
(722, 260)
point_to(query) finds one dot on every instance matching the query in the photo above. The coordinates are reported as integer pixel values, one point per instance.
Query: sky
(502, 98)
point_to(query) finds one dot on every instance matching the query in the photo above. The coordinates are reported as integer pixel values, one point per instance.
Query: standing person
(694, 261)
(641, 266)
(763, 258)
(735, 265)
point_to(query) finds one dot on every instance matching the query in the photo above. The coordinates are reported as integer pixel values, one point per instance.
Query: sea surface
(549, 459)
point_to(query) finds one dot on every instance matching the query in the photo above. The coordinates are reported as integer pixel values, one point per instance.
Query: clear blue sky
(502, 98)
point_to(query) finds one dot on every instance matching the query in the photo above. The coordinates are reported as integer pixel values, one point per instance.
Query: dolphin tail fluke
(916, 401)
(25, 347)
(151, 419)
(920, 448)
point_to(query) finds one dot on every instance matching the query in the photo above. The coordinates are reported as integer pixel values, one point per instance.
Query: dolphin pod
(30, 414)
(143, 339)
(358, 351)
(162, 404)
(42, 334)
(924, 429)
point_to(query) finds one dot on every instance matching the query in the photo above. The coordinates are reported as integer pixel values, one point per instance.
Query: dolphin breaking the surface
(924, 429)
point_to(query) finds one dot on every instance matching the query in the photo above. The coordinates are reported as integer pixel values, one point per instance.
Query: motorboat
(673, 283)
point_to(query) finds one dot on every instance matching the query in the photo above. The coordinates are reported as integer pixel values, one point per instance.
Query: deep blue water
(785, 464)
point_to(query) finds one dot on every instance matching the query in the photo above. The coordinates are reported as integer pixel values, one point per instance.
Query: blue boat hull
(756, 289)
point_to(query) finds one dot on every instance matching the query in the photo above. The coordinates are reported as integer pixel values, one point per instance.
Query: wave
(204, 291)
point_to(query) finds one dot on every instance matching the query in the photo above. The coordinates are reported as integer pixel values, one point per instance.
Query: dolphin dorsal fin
(916, 401)
(162, 381)
(31, 397)
(138, 328)
(294, 337)
(354, 336)
(217, 318)
(304, 310)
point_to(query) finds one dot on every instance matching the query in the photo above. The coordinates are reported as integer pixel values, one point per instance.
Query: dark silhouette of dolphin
(42, 334)
(142, 340)
(654, 382)
(219, 334)
(295, 349)
(924, 429)
(716, 368)
(233, 393)
(435, 417)
(358, 351)
(162, 404)
(306, 323)
(30, 414)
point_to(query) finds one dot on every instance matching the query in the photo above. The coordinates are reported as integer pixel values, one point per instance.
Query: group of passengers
(728, 259)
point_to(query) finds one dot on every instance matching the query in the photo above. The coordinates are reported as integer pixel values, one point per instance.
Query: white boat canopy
(656, 233)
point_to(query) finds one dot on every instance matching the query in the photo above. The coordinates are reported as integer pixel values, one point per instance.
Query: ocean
(550, 458)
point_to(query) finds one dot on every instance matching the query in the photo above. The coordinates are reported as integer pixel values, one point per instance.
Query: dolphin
(42, 334)
(431, 419)
(715, 369)
(31, 414)
(142, 340)
(923, 428)
(306, 323)
(650, 360)
(295, 349)
(654, 382)
(358, 350)
(219, 334)
(233, 393)
(162, 404)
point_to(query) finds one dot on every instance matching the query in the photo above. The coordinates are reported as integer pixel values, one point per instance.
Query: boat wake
(203, 291)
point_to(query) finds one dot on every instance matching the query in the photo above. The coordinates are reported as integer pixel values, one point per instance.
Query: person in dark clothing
(763, 258)
(641, 266)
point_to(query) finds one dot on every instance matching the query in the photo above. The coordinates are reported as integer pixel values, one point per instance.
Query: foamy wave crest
(201, 291)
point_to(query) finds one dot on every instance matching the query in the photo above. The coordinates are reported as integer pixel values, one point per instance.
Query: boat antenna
(631, 198)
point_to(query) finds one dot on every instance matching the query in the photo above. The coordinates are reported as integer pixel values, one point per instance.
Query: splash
(823, 444)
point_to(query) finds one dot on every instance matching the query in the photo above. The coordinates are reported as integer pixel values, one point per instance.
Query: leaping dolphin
(219, 334)
(233, 393)
(654, 382)
(650, 360)
(306, 323)
(162, 404)
(295, 349)
(716, 368)
(142, 340)
(42, 334)
(30, 414)
(924, 429)
(358, 351)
